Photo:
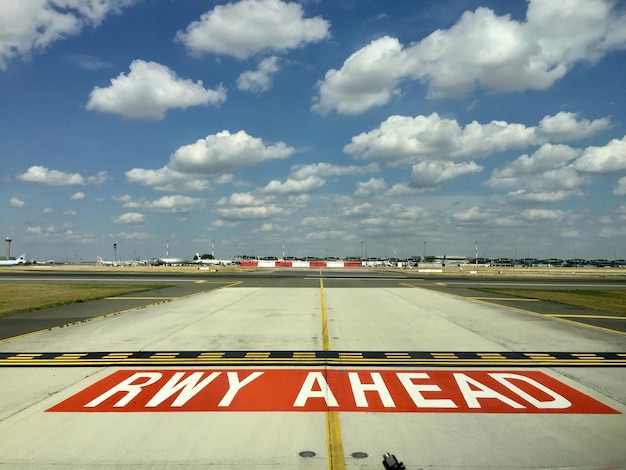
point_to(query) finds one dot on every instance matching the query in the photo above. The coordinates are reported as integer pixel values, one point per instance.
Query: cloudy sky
(335, 125)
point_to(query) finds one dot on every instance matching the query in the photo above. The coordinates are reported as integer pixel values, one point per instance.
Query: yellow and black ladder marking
(322, 358)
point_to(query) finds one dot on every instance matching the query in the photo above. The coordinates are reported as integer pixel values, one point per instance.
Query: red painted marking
(284, 264)
(249, 264)
(399, 391)
(317, 264)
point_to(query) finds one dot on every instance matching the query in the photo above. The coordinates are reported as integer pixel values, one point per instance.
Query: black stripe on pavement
(315, 358)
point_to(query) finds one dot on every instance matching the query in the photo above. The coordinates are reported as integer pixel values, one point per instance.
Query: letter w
(189, 386)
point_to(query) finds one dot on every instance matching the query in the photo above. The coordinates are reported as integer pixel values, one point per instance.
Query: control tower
(8, 248)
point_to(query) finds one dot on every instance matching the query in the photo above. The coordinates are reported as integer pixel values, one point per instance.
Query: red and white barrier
(261, 263)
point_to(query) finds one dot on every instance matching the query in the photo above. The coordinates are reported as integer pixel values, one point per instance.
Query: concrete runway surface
(311, 370)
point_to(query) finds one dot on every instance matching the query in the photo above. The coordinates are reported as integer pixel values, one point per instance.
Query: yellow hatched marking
(350, 355)
(444, 356)
(24, 356)
(539, 356)
(491, 356)
(397, 355)
(117, 356)
(211, 355)
(70, 356)
(589, 356)
(304, 355)
(258, 355)
(164, 355)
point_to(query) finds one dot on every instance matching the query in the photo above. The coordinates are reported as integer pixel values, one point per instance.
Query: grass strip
(15, 298)
(613, 301)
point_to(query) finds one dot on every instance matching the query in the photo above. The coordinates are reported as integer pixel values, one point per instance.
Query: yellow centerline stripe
(574, 315)
(325, 337)
(334, 442)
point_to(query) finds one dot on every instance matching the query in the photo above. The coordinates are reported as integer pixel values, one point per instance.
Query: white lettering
(131, 389)
(471, 396)
(234, 386)
(190, 387)
(414, 390)
(307, 391)
(557, 402)
(359, 389)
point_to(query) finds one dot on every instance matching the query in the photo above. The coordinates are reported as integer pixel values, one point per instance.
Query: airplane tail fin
(22, 258)
(100, 261)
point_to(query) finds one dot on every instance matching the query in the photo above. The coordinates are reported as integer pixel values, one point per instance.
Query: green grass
(15, 298)
(613, 301)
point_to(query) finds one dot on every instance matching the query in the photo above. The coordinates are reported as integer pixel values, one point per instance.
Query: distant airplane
(101, 262)
(13, 262)
(212, 262)
(171, 261)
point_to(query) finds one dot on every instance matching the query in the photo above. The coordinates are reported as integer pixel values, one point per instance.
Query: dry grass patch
(613, 301)
(16, 298)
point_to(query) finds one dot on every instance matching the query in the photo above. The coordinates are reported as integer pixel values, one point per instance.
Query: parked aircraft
(14, 262)
(171, 261)
(212, 262)
(101, 262)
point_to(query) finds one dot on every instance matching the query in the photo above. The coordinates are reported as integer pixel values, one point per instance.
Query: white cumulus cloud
(405, 139)
(15, 202)
(33, 25)
(324, 170)
(293, 186)
(606, 159)
(369, 187)
(42, 175)
(130, 218)
(149, 91)
(430, 174)
(167, 179)
(174, 204)
(249, 27)
(564, 126)
(216, 155)
(481, 50)
(259, 80)
(251, 212)
(223, 152)
(620, 187)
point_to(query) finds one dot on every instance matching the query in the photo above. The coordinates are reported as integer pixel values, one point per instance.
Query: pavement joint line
(548, 316)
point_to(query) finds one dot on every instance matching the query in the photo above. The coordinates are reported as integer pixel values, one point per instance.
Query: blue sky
(332, 125)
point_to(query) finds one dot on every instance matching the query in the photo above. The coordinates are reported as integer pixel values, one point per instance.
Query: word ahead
(336, 390)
